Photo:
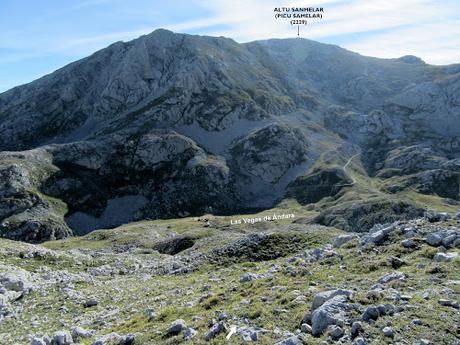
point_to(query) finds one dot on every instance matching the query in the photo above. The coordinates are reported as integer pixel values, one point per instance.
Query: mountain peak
(411, 59)
(119, 135)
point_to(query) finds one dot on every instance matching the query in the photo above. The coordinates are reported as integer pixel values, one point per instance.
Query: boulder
(324, 296)
(396, 275)
(434, 217)
(189, 333)
(449, 239)
(62, 338)
(396, 262)
(15, 279)
(78, 332)
(305, 328)
(434, 239)
(388, 332)
(247, 277)
(294, 340)
(445, 257)
(175, 328)
(215, 330)
(332, 312)
(359, 341)
(340, 240)
(371, 313)
(408, 243)
(115, 339)
(250, 334)
(356, 328)
(37, 341)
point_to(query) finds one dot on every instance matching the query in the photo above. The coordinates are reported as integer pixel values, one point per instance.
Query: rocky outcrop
(318, 184)
(362, 216)
(25, 212)
(97, 184)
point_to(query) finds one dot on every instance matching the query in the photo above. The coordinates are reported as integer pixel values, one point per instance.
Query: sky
(38, 37)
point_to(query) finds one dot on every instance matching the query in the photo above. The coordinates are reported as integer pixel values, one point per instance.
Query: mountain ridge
(172, 125)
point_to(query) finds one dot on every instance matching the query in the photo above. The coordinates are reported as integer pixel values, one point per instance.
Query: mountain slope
(170, 125)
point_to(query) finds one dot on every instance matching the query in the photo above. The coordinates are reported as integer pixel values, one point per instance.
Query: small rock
(386, 309)
(448, 240)
(294, 340)
(62, 338)
(371, 313)
(445, 257)
(396, 262)
(78, 332)
(215, 330)
(356, 328)
(339, 241)
(175, 328)
(115, 338)
(417, 322)
(248, 334)
(189, 333)
(128, 339)
(443, 216)
(374, 294)
(408, 243)
(434, 217)
(456, 243)
(335, 332)
(434, 239)
(388, 332)
(396, 275)
(37, 341)
(92, 302)
(446, 303)
(150, 313)
(305, 328)
(247, 277)
(378, 237)
(359, 341)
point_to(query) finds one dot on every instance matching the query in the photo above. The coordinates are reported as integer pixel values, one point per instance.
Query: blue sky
(37, 37)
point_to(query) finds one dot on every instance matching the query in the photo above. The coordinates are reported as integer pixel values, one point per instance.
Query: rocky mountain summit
(172, 125)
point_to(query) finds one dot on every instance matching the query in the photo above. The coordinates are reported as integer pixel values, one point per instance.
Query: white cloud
(381, 28)
(417, 27)
(436, 43)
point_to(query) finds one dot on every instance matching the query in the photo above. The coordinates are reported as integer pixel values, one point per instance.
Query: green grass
(124, 298)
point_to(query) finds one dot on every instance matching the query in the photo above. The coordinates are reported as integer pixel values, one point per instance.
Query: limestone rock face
(171, 124)
(25, 212)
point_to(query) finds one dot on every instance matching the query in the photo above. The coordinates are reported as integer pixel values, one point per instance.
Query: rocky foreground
(198, 281)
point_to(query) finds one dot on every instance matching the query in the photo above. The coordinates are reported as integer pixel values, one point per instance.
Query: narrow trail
(345, 169)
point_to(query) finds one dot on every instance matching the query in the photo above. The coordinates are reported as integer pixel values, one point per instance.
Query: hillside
(172, 125)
